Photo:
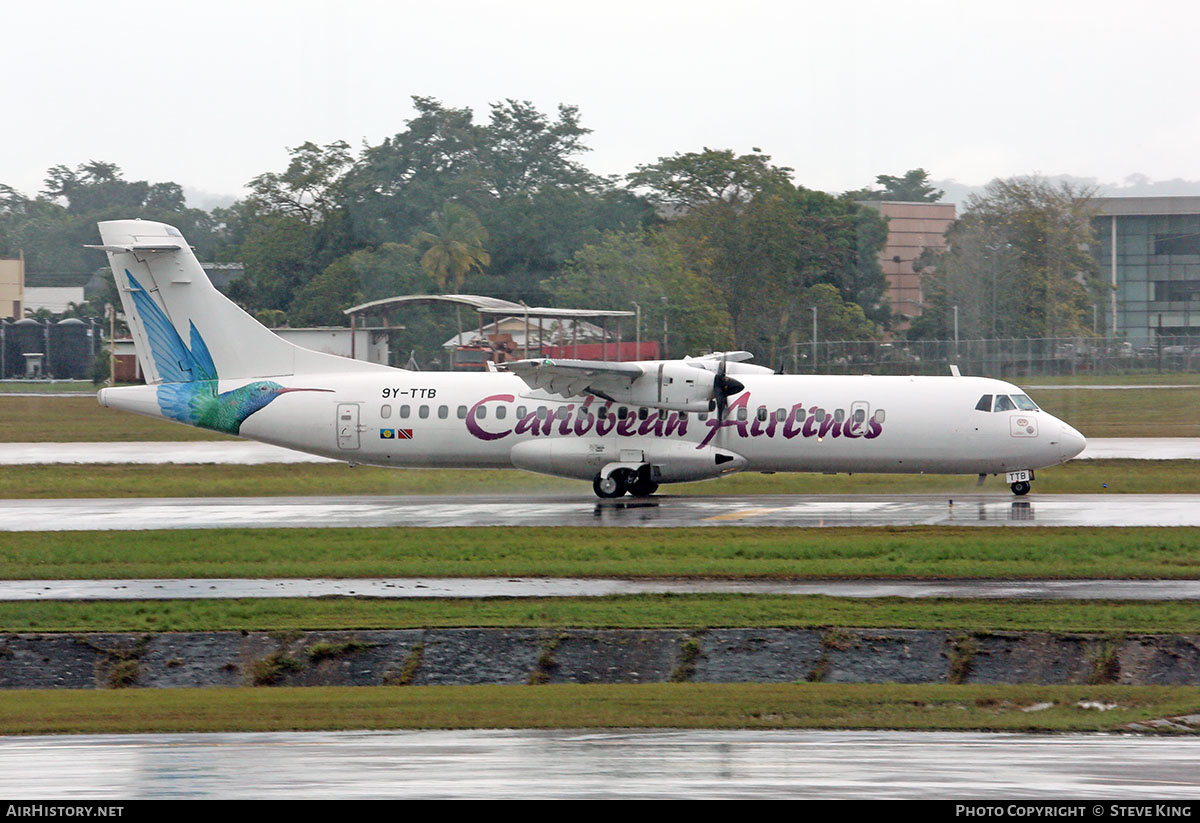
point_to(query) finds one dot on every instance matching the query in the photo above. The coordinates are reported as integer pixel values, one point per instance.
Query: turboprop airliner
(626, 426)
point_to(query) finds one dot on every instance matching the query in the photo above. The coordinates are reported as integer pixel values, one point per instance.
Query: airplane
(629, 427)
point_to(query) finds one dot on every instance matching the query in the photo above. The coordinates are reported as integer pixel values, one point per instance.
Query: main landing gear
(1020, 487)
(620, 481)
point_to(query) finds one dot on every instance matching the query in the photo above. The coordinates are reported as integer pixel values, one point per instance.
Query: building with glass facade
(1148, 251)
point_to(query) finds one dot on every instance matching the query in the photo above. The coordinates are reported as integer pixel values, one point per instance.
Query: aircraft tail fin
(183, 328)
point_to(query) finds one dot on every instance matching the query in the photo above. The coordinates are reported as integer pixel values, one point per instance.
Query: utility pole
(814, 339)
(638, 338)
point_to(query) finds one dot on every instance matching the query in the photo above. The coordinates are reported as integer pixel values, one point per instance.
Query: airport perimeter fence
(1002, 358)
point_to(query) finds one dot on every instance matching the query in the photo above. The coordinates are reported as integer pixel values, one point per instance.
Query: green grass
(1144, 378)
(699, 611)
(50, 387)
(744, 551)
(658, 705)
(1126, 412)
(118, 480)
(82, 419)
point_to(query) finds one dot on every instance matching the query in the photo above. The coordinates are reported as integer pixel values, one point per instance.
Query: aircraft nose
(1072, 442)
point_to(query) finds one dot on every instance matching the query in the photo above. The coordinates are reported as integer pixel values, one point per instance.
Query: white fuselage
(777, 424)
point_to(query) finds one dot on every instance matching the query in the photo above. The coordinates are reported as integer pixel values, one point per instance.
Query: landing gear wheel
(643, 488)
(1020, 488)
(608, 487)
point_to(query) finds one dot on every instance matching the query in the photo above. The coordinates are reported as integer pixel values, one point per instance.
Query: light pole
(637, 353)
(666, 348)
(814, 339)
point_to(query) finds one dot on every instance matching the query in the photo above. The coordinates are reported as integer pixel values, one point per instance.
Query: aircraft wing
(718, 356)
(572, 378)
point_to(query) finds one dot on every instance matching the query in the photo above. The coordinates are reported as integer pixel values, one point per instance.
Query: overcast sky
(210, 94)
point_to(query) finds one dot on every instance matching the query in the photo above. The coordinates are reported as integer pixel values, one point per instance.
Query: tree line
(722, 249)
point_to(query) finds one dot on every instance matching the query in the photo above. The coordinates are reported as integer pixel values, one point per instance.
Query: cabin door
(347, 426)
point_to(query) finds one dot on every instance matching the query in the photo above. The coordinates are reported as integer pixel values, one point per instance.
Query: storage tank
(24, 337)
(69, 357)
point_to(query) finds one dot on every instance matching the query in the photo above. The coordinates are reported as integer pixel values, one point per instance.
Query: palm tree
(455, 246)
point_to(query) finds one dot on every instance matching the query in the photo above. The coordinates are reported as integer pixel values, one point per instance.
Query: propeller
(723, 387)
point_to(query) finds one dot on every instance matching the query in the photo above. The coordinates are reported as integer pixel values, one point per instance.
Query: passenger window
(820, 415)
(542, 412)
(702, 416)
(781, 415)
(880, 414)
(480, 412)
(798, 415)
(561, 414)
(443, 412)
(1003, 404)
(839, 415)
(860, 415)
(622, 412)
(984, 404)
(385, 411)
(522, 411)
(643, 413)
(742, 413)
(501, 412)
(602, 412)
(683, 416)
(762, 414)
(404, 411)
(423, 412)
(462, 412)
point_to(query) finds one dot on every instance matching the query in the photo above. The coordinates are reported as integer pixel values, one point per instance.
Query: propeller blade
(723, 387)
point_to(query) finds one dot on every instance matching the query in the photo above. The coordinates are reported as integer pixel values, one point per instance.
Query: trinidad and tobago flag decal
(395, 434)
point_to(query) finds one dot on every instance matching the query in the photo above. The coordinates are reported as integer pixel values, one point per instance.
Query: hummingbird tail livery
(158, 274)
(628, 427)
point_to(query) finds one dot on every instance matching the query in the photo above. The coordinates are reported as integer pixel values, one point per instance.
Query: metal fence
(1004, 358)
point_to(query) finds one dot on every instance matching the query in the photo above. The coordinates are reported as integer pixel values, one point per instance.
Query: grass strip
(698, 611)
(109, 480)
(83, 420)
(744, 551)
(658, 705)
(1125, 412)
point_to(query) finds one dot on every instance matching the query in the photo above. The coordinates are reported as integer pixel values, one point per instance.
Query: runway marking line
(740, 515)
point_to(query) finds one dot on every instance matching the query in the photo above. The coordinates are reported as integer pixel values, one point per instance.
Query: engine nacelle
(583, 458)
(673, 386)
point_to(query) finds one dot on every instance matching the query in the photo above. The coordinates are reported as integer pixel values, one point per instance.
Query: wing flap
(572, 378)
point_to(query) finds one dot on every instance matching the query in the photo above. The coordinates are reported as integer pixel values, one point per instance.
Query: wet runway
(600, 764)
(245, 452)
(992, 509)
(477, 587)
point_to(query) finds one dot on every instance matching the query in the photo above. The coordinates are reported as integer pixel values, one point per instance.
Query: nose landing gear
(1020, 482)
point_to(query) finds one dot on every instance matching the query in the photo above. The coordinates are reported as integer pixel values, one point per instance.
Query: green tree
(280, 256)
(763, 255)
(1016, 265)
(688, 181)
(395, 186)
(647, 268)
(455, 247)
(912, 187)
(310, 187)
(524, 152)
(368, 274)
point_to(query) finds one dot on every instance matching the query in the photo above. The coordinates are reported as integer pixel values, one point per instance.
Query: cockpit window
(1003, 404)
(1024, 403)
(984, 404)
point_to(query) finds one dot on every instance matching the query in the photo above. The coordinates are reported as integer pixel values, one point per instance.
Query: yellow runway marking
(742, 514)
